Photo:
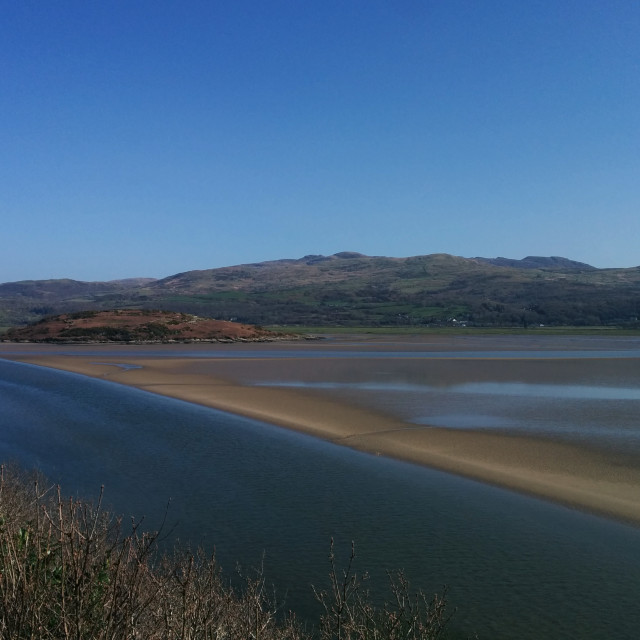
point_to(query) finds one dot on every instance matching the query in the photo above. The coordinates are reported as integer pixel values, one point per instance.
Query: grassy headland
(461, 331)
(137, 326)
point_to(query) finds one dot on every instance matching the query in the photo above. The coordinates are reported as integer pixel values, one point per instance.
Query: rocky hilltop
(139, 326)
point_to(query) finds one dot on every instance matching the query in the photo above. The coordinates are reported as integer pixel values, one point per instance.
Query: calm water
(516, 567)
(606, 417)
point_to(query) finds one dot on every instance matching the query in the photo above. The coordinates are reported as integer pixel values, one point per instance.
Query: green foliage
(356, 290)
(83, 314)
(155, 330)
(114, 334)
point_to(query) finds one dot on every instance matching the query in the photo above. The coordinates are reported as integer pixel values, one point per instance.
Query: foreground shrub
(348, 612)
(69, 570)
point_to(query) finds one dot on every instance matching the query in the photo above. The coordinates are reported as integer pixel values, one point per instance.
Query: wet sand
(581, 477)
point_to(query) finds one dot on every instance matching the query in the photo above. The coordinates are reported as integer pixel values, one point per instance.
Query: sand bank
(576, 476)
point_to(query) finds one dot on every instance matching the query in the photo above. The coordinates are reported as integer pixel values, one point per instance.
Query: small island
(138, 326)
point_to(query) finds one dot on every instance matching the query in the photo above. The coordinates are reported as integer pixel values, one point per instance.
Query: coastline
(577, 477)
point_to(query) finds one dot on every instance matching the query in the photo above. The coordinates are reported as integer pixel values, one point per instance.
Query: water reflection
(484, 388)
(549, 390)
(604, 416)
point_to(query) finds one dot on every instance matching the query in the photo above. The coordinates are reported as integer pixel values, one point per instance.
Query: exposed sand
(580, 477)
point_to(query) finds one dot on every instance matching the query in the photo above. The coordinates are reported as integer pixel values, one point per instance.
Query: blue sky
(144, 138)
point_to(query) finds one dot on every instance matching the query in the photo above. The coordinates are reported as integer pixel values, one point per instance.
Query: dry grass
(349, 614)
(69, 570)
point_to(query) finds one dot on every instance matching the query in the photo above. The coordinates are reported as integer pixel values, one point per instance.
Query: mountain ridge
(538, 262)
(350, 288)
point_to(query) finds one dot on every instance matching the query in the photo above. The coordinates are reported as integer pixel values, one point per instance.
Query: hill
(539, 262)
(349, 288)
(136, 326)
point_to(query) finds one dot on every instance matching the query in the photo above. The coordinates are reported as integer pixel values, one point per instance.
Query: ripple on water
(516, 566)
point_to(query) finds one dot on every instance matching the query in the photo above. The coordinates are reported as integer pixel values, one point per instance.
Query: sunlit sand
(577, 476)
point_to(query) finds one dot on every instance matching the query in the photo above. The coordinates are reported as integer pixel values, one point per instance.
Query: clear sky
(144, 138)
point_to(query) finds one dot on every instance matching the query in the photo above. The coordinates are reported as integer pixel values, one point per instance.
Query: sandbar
(580, 477)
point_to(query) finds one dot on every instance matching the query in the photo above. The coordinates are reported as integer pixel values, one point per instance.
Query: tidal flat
(555, 417)
(516, 566)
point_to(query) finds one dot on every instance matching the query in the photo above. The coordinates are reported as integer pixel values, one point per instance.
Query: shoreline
(577, 477)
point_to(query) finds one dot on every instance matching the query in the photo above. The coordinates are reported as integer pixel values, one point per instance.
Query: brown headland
(136, 325)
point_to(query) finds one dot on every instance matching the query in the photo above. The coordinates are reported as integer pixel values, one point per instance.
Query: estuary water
(516, 567)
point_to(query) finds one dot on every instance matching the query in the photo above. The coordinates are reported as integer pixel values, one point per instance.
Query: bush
(69, 570)
(349, 614)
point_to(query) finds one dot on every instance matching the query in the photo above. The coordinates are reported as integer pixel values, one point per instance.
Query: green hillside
(352, 289)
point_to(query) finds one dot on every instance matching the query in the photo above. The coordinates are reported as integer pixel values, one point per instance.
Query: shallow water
(604, 417)
(516, 566)
(481, 388)
(593, 402)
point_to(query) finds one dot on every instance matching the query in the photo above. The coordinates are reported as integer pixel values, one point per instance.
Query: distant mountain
(56, 289)
(29, 300)
(350, 288)
(539, 262)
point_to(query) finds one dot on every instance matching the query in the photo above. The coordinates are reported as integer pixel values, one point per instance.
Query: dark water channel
(516, 567)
